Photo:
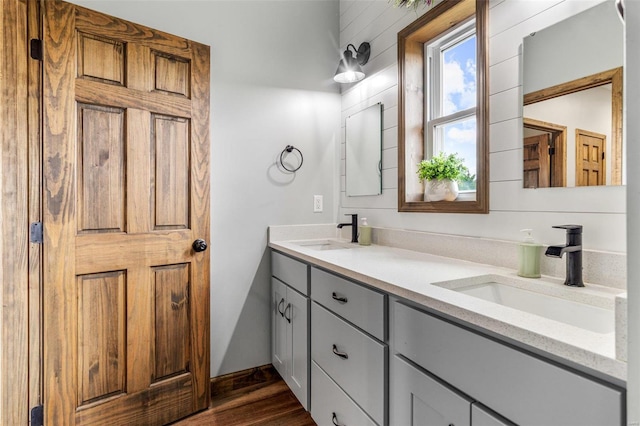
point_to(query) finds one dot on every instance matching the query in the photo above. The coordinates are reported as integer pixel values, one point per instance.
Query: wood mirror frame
(411, 120)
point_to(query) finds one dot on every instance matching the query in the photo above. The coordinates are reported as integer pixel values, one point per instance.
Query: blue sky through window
(459, 93)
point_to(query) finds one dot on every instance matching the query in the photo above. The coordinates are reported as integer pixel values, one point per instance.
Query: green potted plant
(441, 174)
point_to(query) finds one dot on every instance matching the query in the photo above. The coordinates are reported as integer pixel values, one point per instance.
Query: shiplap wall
(600, 210)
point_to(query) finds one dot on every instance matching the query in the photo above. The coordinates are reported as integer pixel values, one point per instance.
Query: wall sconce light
(350, 68)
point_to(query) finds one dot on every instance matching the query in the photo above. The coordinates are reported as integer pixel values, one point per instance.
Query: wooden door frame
(560, 165)
(20, 200)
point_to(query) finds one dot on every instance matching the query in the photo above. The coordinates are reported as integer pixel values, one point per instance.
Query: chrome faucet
(573, 248)
(353, 225)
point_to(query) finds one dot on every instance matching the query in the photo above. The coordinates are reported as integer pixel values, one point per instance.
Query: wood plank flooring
(253, 397)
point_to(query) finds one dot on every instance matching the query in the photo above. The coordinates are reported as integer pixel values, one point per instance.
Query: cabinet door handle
(280, 311)
(338, 298)
(285, 313)
(334, 420)
(342, 355)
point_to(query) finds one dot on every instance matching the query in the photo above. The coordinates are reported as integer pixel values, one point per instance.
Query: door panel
(590, 164)
(101, 336)
(101, 169)
(171, 308)
(126, 192)
(171, 157)
(536, 161)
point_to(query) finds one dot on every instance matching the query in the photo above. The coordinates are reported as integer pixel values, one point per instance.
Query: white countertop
(411, 275)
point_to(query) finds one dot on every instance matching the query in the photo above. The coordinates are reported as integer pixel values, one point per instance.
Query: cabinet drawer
(355, 361)
(363, 307)
(290, 272)
(328, 401)
(523, 388)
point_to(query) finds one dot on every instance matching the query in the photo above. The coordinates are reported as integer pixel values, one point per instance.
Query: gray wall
(272, 64)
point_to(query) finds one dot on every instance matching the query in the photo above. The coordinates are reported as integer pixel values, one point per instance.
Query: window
(450, 111)
(443, 102)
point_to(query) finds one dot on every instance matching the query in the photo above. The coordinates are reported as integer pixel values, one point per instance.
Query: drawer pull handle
(338, 298)
(288, 318)
(281, 312)
(334, 420)
(342, 355)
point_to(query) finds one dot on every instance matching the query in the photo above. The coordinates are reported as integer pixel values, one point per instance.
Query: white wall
(272, 64)
(600, 210)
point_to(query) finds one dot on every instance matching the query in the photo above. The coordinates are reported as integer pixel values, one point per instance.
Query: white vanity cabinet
(523, 388)
(290, 323)
(349, 355)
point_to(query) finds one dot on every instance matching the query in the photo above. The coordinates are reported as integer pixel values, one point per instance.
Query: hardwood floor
(253, 397)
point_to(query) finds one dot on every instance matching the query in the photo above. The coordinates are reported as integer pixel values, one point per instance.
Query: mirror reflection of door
(544, 154)
(590, 158)
(572, 74)
(536, 161)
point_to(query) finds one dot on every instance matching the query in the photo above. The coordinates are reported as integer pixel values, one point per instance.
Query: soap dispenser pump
(529, 256)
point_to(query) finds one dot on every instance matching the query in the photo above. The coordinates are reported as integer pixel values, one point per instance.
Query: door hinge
(35, 49)
(552, 151)
(37, 416)
(36, 233)
(603, 155)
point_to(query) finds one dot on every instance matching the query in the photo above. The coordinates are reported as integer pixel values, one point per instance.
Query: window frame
(412, 120)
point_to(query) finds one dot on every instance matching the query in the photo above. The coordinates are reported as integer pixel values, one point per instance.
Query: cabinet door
(421, 400)
(297, 319)
(279, 350)
(480, 416)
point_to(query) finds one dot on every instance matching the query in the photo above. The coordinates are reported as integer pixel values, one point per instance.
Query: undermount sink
(327, 245)
(593, 312)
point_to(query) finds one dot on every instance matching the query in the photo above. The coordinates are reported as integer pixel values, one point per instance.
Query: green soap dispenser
(529, 256)
(365, 233)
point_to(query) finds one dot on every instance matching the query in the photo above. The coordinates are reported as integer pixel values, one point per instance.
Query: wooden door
(590, 152)
(536, 161)
(126, 192)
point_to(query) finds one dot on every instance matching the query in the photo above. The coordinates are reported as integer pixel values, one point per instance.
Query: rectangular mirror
(572, 103)
(363, 143)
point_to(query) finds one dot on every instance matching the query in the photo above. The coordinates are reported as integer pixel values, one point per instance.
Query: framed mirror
(363, 141)
(572, 101)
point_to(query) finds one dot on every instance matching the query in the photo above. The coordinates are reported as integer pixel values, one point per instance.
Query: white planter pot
(440, 190)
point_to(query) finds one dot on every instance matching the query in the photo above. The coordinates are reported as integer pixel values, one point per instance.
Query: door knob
(199, 245)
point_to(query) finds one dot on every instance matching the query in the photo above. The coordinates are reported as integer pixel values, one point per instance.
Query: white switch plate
(317, 203)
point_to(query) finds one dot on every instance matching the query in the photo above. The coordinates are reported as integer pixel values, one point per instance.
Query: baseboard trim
(242, 381)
